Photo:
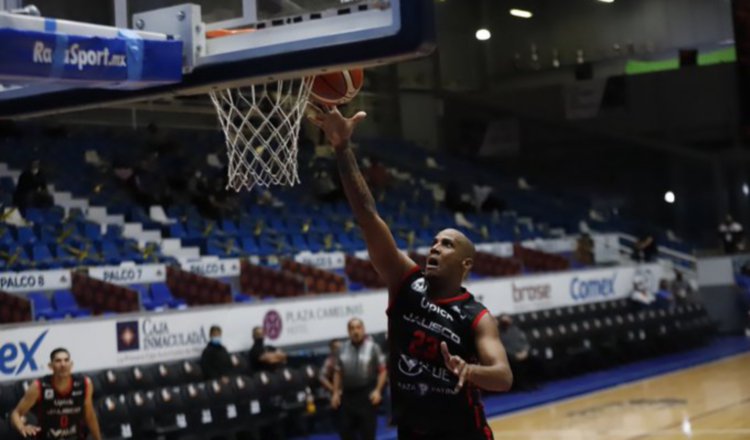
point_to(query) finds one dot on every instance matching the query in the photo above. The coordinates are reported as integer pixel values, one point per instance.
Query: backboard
(287, 39)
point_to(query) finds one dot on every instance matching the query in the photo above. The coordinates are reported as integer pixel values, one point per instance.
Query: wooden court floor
(710, 401)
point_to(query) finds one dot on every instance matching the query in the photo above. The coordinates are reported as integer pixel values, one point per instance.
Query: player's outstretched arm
(27, 402)
(391, 264)
(89, 413)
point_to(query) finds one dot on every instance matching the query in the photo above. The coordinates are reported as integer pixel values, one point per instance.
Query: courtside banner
(538, 292)
(134, 339)
(35, 280)
(322, 260)
(213, 267)
(130, 273)
(35, 56)
(161, 337)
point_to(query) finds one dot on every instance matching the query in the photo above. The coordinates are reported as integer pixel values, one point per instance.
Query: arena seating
(13, 308)
(193, 289)
(264, 281)
(575, 339)
(102, 297)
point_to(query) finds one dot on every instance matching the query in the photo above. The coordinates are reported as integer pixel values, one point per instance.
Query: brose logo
(537, 292)
(77, 56)
(17, 357)
(581, 290)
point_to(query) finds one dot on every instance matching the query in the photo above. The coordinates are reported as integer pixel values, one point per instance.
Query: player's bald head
(462, 243)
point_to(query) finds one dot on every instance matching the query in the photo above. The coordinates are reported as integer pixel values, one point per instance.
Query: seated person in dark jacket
(264, 357)
(215, 360)
(517, 346)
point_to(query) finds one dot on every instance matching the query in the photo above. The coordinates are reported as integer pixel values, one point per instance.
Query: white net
(261, 126)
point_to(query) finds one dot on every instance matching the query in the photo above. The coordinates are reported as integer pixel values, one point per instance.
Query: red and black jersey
(423, 390)
(60, 414)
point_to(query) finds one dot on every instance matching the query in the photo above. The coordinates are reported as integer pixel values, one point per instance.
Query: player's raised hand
(30, 431)
(456, 365)
(337, 128)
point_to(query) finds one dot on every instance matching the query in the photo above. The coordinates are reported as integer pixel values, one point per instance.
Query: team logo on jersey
(49, 394)
(63, 432)
(457, 309)
(409, 366)
(419, 285)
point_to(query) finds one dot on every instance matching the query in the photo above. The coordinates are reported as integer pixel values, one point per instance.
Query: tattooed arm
(391, 264)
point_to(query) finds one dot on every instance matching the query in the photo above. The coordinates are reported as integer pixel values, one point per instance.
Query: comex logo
(15, 358)
(581, 290)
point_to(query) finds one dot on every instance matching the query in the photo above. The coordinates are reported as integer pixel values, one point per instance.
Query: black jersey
(423, 389)
(60, 414)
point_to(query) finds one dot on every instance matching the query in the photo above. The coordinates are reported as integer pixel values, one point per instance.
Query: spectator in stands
(517, 347)
(325, 188)
(358, 382)
(31, 189)
(641, 297)
(645, 249)
(329, 365)
(682, 290)
(585, 250)
(485, 198)
(215, 360)
(457, 200)
(731, 235)
(264, 357)
(664, 297)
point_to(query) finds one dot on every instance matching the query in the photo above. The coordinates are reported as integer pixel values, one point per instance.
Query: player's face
(61, 365)
(447, 257)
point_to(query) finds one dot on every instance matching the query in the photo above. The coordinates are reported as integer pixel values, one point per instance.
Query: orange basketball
(337, 87)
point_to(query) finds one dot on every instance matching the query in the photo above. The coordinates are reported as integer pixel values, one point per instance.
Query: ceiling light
(483, 34)
(521, 13)
(669, 197)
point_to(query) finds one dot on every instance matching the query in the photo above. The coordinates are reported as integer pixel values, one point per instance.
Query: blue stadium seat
(34, 215)
(91, 231)
(43, 308)
(147, 301)
(176, 230)
(161, 295)
(65, 302)
(299, 242)
(229, 228)
(6, 236)
(42, 256)
(110, 252)
(250, 246)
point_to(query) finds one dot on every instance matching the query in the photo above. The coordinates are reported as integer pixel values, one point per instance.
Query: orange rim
(218, 33)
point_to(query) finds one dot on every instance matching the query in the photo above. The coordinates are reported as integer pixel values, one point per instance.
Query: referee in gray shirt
(358, 384)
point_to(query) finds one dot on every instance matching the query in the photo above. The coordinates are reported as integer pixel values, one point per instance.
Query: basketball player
(445, 345)
(62, 401)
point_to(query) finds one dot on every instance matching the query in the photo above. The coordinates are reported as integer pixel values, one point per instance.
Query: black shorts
(405, 433)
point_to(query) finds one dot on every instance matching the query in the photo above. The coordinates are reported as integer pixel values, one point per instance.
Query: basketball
(337, 87)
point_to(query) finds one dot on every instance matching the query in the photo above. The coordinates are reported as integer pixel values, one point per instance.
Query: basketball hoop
(261, 127)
